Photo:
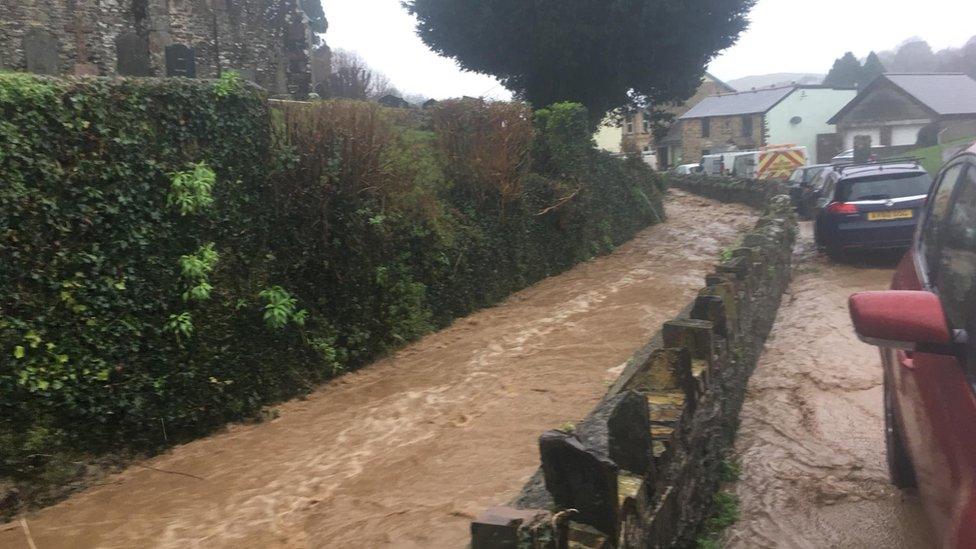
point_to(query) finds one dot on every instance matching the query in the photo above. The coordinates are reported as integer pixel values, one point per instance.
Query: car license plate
(886, 216)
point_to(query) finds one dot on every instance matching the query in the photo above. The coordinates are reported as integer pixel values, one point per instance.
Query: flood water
(811, 442)
(405, 452)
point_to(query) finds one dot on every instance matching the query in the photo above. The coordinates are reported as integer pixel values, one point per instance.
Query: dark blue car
(870, 206)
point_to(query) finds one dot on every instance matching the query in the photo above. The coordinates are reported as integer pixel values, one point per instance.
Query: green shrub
(174, 254)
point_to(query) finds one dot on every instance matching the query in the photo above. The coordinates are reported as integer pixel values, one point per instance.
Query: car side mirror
(901, 319)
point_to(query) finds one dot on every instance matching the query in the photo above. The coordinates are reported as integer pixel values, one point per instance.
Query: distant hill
(778, 79)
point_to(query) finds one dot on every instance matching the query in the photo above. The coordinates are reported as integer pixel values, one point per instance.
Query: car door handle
(906, 359)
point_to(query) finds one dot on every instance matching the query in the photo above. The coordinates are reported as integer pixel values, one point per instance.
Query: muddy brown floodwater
(811, 441)
(405, 452)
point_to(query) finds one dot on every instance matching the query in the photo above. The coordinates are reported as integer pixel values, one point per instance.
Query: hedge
(176, 254)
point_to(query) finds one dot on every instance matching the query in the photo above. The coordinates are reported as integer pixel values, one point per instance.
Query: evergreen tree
(592, 52)
(845, 73)
(873, 68)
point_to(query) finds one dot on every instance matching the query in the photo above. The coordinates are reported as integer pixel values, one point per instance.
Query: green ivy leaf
(19, 352)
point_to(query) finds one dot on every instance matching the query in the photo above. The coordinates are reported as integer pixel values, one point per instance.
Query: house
(794, 115)
(902, 110)
(393, 102)
(265, 41)
(638, 128)
(608, 136)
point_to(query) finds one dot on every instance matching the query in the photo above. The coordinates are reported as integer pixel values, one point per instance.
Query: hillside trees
(873, 68)
(601, 54)
(846, 72)
(352, 78)
(914, 56)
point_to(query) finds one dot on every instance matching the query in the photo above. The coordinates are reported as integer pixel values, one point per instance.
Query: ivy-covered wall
(176, 254)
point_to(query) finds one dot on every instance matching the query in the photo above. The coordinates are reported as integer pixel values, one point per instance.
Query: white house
(902, 110)
(788, 115)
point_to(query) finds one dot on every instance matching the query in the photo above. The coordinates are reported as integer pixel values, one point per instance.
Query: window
(647, 126)
(886, 136)
(706, 127)
(630, 126)
(956, 277)
(828, 189)
(810, 173)
(932, 232)
(818, 182)
(884, 187)
(747, 125)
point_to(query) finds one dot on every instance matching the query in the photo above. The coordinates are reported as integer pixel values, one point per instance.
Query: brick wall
(724, 132)
(267, 41)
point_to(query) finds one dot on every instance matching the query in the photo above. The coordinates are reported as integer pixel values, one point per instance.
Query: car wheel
(899, 465)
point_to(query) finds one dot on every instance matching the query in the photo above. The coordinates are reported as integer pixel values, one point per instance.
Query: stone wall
(642, 469)
(267, 41)
(724, 131)
(752, 192)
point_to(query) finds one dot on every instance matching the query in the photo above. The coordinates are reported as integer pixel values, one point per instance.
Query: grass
(725, 513)
(931, 157)
(725, 509)
(731, 471)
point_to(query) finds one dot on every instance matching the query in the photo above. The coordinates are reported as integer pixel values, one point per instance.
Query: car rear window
(811, 173)
(883, 187)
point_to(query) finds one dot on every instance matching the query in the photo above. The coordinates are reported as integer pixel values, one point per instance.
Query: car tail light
(842, 208)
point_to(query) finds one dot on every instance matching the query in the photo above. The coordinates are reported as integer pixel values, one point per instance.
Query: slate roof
(945, 94)
(732, 104)
(724, 86)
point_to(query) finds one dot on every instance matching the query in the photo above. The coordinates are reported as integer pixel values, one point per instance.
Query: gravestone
(132, 55)
(83, 65)
(181, 61)
(41, 52)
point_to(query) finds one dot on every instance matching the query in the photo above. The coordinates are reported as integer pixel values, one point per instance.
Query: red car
(926, 328)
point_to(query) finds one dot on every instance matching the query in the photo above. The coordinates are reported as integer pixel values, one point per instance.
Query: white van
(722, 163)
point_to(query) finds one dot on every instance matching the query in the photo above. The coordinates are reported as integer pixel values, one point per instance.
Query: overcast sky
(785, 36)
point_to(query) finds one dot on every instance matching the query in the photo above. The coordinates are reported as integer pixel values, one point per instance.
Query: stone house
(638, 127)
(266, 41)
(743, 121)
(904, 110)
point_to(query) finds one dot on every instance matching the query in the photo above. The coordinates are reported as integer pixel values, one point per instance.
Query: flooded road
(811, 442)
(405, 452)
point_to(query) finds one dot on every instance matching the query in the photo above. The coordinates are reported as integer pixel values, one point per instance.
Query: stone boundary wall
(752, 192)
(642, 469)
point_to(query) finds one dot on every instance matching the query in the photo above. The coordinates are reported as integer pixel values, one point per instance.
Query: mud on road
(811, 443)
(405, 452)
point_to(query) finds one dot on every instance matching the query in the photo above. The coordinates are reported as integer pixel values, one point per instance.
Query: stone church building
(267, 41)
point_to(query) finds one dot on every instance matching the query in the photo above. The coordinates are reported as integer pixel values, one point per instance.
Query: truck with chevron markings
(771, 162)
